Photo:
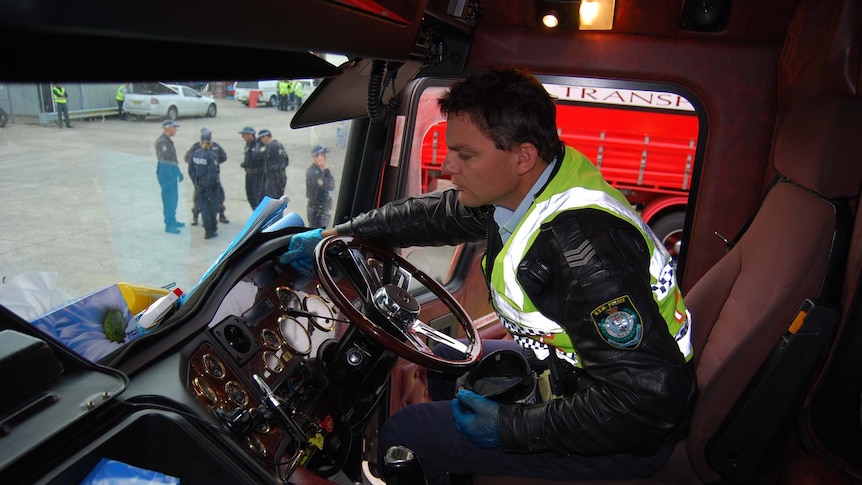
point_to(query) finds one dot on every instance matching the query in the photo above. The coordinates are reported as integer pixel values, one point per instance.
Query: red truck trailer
(644, 143)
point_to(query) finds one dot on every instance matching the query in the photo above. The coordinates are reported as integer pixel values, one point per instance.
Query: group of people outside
(289, 95)
(203, 158)
(265, 161)
(61, 102)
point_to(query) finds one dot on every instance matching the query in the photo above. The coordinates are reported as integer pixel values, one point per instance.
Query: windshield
(85, 206)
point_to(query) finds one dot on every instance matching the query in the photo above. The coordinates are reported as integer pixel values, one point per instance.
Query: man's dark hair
(509, 106)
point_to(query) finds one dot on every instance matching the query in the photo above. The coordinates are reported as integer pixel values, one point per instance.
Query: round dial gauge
(203, 389)
(255, 445)
(212, 366)
(287, 298)
(270, 339)
(323, 313)
(273, 362)
(236, 393)
(295, 336)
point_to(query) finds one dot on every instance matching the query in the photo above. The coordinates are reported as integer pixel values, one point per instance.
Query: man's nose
(449, 166)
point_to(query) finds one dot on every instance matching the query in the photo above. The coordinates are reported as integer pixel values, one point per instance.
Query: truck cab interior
(265, 375)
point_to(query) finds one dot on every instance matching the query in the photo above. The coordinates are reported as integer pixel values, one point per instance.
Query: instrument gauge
(270, 339)
(255, 445)
(204, 390)
(212, 366)
(273, 362)
(323, 317)
(287, 298)
(236, 393)
(295, 336)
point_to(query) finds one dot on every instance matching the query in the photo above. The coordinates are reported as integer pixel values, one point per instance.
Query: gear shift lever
(401, 467)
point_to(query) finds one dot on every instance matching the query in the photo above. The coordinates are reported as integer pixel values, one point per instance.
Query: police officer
(252, 163)
(169, 175)
(121, 99)
(577, 278)
(204, 173)
(319, 182)
(297, 94)
(60, 101)
(283, 94)
(275, 162)
(291, 94)
(221, 157)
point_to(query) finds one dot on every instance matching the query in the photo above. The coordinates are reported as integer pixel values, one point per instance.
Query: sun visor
(345, 97)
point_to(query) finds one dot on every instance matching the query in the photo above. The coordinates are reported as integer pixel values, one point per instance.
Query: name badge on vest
(619, 323)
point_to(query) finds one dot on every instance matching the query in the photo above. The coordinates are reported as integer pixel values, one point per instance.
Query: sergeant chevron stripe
(580, 256)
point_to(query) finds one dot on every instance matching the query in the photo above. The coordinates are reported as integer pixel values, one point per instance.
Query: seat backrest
(813, 63)
(743, 305)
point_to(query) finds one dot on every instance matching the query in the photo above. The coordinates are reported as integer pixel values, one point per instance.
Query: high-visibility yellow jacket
(59, 93)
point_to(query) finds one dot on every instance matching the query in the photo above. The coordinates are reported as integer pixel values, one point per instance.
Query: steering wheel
(388, 313)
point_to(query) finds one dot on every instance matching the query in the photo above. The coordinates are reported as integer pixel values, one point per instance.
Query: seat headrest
(819, 145)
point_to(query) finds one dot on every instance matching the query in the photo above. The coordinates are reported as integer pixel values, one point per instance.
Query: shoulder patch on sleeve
(619, 323)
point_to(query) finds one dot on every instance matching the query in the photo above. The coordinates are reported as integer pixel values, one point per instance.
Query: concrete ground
(85, 203)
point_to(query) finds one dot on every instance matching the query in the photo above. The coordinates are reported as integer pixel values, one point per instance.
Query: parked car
(168, 101)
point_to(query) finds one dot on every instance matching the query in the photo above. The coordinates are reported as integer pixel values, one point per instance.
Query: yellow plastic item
(139, 297)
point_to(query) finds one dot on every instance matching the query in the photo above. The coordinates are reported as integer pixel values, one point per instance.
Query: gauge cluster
(256, 368)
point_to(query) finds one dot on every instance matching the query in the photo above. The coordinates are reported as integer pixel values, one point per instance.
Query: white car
(168, 101)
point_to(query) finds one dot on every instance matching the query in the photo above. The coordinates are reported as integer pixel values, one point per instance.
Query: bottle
(153, 314)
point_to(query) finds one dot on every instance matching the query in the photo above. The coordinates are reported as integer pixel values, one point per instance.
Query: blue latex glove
(300, 251)
(180, 176)
(476, 417)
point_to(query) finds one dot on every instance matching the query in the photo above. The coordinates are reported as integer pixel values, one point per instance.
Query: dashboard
(264, 367)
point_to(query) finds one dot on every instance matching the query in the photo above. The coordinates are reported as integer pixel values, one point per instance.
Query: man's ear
(528, 158)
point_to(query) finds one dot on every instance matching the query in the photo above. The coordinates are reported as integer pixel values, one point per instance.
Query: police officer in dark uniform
(319, 182)
(204, 173)
(221, 155)
(252, 162)
(275, 162)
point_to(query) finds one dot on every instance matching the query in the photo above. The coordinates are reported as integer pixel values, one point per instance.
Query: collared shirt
(508, 220)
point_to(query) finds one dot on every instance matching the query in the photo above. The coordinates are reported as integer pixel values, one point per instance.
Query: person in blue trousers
(169, 175)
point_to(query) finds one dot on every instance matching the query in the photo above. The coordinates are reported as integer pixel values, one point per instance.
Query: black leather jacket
(619, 400)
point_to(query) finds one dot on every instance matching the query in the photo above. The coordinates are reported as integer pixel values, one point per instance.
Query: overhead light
(596, 15)
(551, 20)
(576, 14)
(554, 14)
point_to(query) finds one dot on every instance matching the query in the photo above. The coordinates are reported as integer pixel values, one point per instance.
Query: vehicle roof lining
(21, 65)
(217, 33)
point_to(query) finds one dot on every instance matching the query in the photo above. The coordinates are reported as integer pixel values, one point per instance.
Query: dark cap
(246, 131)
(264, 133)
(206, 134)
(318, 149)
(170, 123)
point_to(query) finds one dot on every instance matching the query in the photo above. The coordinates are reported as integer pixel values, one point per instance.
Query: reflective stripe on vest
(589, 190)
